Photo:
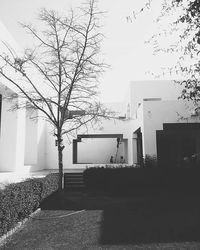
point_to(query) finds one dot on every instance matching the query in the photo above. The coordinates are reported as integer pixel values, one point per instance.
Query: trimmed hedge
(129, 179)
(19, 200)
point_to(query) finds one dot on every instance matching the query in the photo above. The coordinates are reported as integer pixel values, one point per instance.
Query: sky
(124, 47)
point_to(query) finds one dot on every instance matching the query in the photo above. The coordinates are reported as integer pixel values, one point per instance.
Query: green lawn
(144, 220)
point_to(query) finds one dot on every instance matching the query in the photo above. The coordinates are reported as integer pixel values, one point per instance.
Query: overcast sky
(124, 48)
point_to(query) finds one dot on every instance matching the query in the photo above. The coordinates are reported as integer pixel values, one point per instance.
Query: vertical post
(74, 151)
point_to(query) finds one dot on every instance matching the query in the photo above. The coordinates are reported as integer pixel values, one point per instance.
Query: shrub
(127, 180)
(49, 184)
(18, 200)
(150, 161)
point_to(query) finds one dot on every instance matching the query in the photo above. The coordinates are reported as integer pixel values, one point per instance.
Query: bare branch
(66, 59)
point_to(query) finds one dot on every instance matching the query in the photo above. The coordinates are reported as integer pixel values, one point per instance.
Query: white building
(152, 122)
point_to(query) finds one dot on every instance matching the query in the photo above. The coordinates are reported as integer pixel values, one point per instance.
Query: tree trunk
(60, 163)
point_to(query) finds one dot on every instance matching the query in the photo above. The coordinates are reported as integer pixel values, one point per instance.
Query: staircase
(74, 181)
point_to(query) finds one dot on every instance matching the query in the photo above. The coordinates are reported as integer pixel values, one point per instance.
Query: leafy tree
(186, 25)
(59, 75)
(179, 20)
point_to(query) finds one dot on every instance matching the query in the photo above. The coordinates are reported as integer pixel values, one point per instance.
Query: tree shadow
(158, 219)
(142, 217)
(63, 200)
(66, 200)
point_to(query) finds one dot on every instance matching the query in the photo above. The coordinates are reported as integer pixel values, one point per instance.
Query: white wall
(104, 148)
(41, 144)
(6, 37)
(20, 140)
(12, 139)
(31, 140)
(51, 150)
(7, 43)
(99, 150)
(8, 138)
(150, 117)
(35, 148)
(106, 127)
(166, 90)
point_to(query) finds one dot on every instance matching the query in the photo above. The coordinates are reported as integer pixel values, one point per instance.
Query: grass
(144, 220)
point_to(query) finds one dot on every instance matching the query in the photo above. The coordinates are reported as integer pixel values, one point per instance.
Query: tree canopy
(181, 19)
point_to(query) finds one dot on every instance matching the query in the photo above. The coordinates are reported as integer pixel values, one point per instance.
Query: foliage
(150, 161)
(183, 24)
(19, 200)
(130, 180)
(49, 185)
(179, 23)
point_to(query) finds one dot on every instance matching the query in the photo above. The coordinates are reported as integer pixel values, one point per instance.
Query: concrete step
(74, 181)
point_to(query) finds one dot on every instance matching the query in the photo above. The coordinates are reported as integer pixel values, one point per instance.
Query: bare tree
(59, 75)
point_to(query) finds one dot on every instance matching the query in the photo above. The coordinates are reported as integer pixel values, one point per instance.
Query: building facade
(150, 123)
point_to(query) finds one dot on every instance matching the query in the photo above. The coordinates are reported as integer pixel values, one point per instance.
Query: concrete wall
(41, 145)
(99, 150)
(12, 139)
(51, 150)
(149, 117)
(166, 90)
(7, 38)
(106, 147)
(7, 43)
(31, 149)
(16, 126)
(35, 147)
(20, 140)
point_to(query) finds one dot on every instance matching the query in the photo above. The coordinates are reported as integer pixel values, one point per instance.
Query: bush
(126, 180)
(19, 200)
(49, 185)
(150, 161)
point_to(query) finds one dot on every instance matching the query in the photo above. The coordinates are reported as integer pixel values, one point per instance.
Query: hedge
(130, 179)
(19, 200)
